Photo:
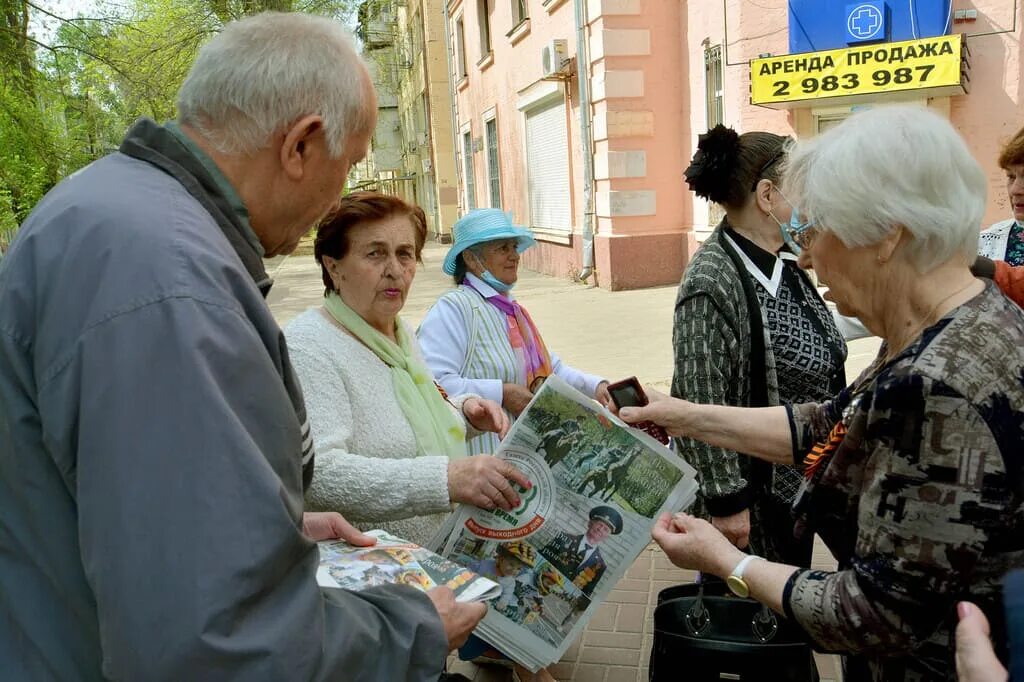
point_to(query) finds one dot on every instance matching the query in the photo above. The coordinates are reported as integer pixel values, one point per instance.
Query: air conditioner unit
(555, 57)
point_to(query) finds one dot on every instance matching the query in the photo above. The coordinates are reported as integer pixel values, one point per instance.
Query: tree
(67, 97)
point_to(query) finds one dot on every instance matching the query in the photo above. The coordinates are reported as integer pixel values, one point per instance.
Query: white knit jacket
(366, 464)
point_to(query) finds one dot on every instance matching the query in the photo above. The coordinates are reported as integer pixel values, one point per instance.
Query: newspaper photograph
(597, 488)
(395, 561)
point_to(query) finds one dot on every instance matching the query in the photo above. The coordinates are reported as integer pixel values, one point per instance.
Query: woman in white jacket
(477, 338)
(391, 446)
(1005, 239)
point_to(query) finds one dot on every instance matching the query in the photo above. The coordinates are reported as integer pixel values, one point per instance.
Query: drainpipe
(455, 111)
(583, 76)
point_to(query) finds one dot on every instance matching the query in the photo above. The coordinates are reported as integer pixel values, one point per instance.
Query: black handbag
(703, 632)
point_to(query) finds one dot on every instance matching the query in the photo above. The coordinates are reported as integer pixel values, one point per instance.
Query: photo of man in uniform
(578, 557)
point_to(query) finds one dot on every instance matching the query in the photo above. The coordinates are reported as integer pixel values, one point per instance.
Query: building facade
(581, 167)
(660, 72)
(412, 151)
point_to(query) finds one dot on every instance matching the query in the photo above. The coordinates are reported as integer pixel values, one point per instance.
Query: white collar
(771, 285)
(485, 289)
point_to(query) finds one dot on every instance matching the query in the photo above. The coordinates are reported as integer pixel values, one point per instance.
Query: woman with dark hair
(750, 330)
(391, 446)
(1005, 240)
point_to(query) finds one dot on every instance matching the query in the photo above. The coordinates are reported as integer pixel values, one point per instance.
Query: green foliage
(70, 87)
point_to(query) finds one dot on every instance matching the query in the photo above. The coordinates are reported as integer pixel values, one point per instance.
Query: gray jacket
(151, 452)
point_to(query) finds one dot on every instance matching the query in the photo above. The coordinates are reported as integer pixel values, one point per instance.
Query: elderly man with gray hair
(153, 438)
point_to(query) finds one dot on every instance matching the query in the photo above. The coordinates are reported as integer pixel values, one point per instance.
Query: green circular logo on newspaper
(534, 506)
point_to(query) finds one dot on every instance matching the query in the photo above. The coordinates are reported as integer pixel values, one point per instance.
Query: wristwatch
(735, 579)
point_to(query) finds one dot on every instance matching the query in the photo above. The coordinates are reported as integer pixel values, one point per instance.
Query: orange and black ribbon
(823, 450)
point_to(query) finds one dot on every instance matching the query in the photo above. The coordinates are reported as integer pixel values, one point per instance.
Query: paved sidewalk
(614, 335)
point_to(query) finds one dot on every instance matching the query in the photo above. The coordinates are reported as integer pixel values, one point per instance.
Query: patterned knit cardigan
(723, 356)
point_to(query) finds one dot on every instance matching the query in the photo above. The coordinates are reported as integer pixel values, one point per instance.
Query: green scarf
(437, 430)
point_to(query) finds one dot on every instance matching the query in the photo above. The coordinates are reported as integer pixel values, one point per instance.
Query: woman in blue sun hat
(477, 338)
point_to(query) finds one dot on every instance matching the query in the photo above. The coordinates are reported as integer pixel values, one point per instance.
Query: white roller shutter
(547, 167)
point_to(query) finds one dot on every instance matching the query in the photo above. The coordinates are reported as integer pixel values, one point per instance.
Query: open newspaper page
(395, 561)
(598, 487)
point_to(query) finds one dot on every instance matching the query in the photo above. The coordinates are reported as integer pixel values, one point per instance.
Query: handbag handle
(697, 619)
(764, 624)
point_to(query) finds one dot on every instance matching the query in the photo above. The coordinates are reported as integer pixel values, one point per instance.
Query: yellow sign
(885, 67)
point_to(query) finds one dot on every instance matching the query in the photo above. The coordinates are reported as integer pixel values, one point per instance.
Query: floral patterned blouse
(921, 502)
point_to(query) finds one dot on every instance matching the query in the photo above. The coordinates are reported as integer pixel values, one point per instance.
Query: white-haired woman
(913, 475)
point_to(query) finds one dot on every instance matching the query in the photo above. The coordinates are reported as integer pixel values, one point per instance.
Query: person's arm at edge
(1011, 280)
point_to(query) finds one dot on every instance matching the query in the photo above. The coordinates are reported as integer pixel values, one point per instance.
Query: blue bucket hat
(484, 225)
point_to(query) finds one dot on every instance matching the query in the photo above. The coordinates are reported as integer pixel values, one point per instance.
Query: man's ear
(297, 145)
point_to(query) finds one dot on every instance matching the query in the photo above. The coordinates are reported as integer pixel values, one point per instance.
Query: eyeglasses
(771, 162)
(802, 234)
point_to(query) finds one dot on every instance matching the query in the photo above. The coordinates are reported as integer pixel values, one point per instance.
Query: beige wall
(639, 134)
(991, 113)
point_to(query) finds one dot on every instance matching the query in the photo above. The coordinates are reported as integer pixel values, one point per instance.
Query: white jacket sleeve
(581, 381)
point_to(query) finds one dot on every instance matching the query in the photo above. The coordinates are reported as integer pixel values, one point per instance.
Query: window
(713, 85)
(422, 118)
(467, 169)
(493, 169)
(483, 16)
(519, 14)
(829, 121)
(547, 164)
(460, 49)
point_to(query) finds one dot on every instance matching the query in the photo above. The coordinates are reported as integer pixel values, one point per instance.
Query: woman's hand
(485, 415)
(602, 395)
(975, 659)
(736, 528)
(319, 526)
(671, 414)
(695, 544)
(515, 397)
(486, 482)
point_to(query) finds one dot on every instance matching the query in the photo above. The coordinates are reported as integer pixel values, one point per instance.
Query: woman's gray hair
(894, 165)
(262, 73)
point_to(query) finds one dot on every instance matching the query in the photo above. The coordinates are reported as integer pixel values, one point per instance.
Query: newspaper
(393, 560)
(597, 488)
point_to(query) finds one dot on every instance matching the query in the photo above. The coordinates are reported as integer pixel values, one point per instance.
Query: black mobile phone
(629, 393)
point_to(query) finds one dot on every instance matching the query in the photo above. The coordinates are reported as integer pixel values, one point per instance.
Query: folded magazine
(598, 487)
(395, 561)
